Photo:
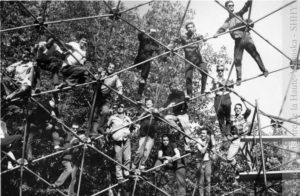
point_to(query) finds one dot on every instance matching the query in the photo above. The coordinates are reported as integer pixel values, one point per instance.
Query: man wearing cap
(222, 101)
(46, 60)
(119, 126)
(193, 55)
(72, 68)
(105, 98)
(242, 39)
(146, 49)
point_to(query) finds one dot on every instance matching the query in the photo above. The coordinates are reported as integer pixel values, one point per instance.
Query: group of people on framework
(49, 56)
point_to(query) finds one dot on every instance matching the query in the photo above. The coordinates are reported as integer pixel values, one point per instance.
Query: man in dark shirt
(147, 134)
(40, 121)
(179, 114)
(146, 49)
(192, 54)
(242, 39)
(222, 102)
(167, 154)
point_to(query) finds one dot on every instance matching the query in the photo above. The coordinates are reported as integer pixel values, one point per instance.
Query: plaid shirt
(240, 123)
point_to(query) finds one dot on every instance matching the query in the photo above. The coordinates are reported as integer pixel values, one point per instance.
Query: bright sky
(278, 29)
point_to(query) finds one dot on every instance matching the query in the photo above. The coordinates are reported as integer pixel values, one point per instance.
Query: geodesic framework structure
(116, 14)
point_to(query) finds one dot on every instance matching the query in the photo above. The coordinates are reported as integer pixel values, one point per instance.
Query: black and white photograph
(150, 98)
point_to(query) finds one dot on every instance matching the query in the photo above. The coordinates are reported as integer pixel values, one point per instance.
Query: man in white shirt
(21, 84)
(72, 68)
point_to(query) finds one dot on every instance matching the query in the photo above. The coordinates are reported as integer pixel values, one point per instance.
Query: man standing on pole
(192, 54)
(242, 39)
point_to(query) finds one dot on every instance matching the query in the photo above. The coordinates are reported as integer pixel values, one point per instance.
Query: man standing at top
(72, 69)
(242, 39)
(146, 49)
(192, 54)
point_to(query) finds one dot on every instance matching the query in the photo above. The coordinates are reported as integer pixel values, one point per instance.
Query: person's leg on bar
(189, 79)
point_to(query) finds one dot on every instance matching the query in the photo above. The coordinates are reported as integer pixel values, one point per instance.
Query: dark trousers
(35, 129)
(74, 74)
(52, 65)
(189, 75)
(204, 177)
(247, 44)
(223, 110)
(145, 70)
(101, 113)
(180, 173)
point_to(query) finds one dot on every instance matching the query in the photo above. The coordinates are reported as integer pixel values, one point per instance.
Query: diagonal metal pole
(200, 69)
(23, 150)
(41, 158)
(45, 181)
(56, 37)
(241, 20)
(108, 157)
(265, 114)
(163, 164)
(274, 11)
(290, 82)
(110, 187)
(129, 9)
(161, 190)
(56, 22)
(81, 169)
(261, 145)
(58, 120)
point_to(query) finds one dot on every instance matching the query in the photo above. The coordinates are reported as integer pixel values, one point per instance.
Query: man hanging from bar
(70, 160)
(192, 54)
(119, 127)
(242, 39)
(146, 49)
(222, 102)
(167, 153)
(179, 118)
(21, 82)
(147, 133)
(239, 128)
(105, 98)
(46, 59)
(72, 68)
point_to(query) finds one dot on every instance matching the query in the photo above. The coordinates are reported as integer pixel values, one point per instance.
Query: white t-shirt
(23, 72)
(79, 54)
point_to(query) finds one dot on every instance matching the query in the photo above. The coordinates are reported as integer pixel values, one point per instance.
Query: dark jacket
(177, 97)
